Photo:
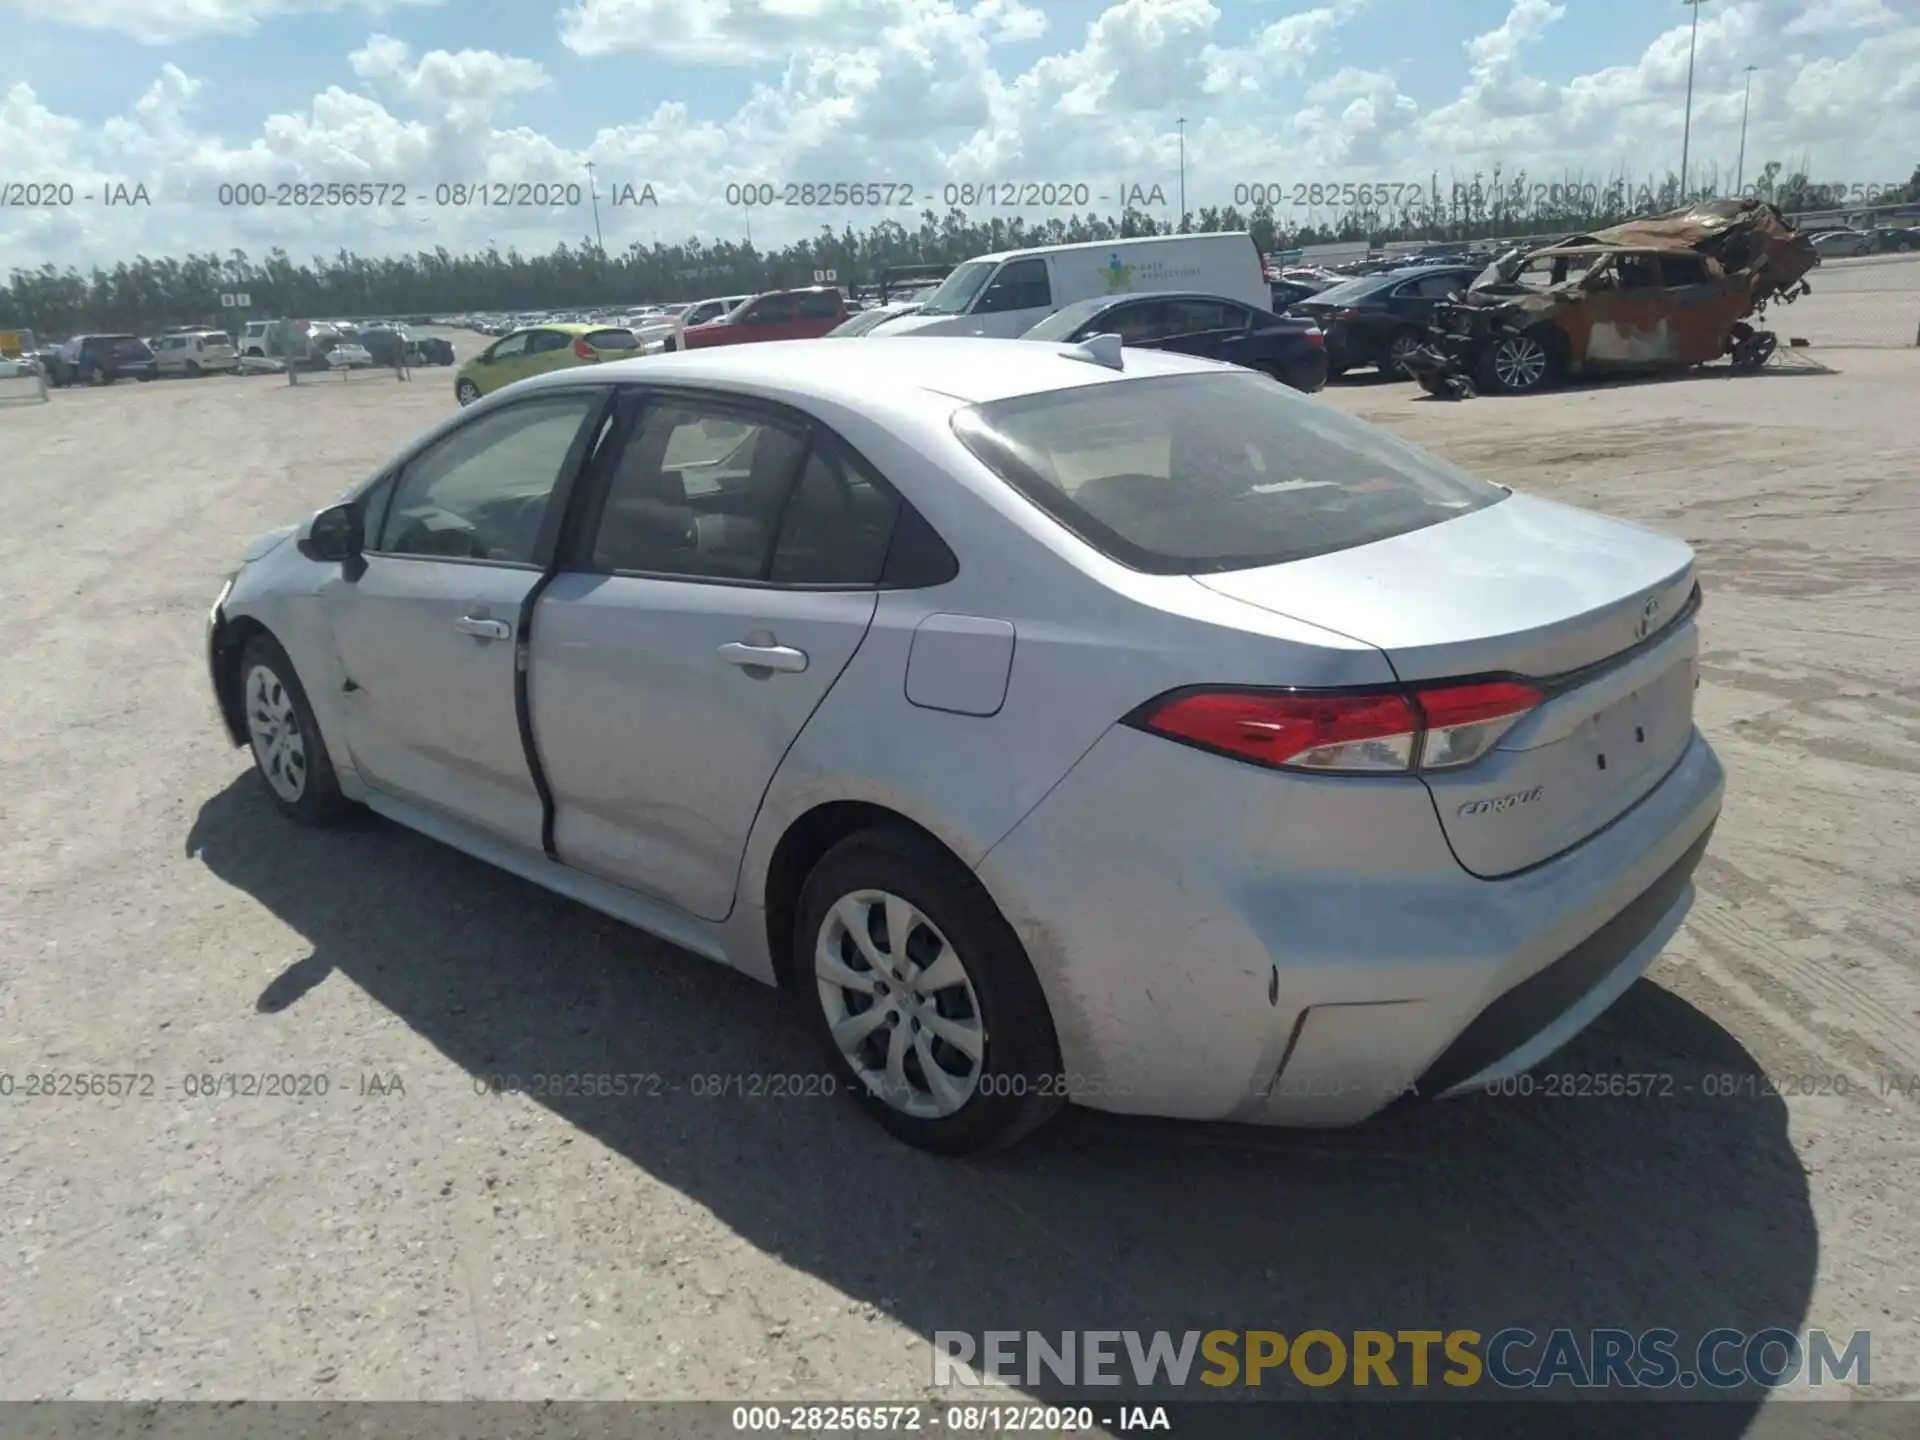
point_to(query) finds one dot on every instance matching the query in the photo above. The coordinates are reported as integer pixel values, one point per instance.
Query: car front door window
(511, 347)
(1139, 323)
(481, 493)
(1018, 285)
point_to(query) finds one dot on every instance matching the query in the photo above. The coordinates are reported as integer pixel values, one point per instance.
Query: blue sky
(187, 94)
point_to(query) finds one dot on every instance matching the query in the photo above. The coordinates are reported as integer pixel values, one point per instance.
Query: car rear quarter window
(1196, 474)
(837, 524)
(612, 340)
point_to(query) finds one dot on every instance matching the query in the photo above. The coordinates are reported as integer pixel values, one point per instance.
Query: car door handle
(483, 628)
(783, 658)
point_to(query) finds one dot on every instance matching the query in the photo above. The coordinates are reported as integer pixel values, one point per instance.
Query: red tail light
(1347, 314)
(584, 351)
(1377, 732)
(1317, 337)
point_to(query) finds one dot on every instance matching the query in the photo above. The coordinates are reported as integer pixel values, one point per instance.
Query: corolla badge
(1649, 617)
(1500, 804)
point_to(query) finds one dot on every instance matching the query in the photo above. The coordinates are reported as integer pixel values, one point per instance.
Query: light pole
(1182, 123)
(1686, 132)
(593, 193)
(1746, 100)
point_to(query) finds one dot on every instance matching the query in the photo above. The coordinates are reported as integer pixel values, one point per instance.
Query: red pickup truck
(776, 315)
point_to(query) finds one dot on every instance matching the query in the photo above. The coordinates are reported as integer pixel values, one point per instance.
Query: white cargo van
(1008, 294)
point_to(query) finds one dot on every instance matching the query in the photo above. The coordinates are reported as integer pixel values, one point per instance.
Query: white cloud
(923, 92)
(161, 22)
(746, 32)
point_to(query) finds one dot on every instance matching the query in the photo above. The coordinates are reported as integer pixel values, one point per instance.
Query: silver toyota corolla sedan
(1058, 722)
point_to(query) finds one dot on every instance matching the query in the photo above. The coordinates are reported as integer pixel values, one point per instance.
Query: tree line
(147, 293)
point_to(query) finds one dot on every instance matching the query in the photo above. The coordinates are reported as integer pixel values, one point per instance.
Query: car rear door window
(480, 493)
(1195, 474)
(837, 524)
(698, 491)
(544, 341)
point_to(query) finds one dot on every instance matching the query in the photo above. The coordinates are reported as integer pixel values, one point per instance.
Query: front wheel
(466, 392)
(922, 996)
(287, 748)
(1516, 364)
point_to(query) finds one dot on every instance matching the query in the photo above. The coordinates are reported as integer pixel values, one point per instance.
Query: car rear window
(612, 340)
(1196, 474)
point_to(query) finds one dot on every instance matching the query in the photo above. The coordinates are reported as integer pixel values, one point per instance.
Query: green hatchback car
(536, 350)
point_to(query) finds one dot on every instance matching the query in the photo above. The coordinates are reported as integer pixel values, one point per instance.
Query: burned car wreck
(1664, 293)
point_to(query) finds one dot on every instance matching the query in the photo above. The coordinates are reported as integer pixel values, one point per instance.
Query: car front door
(429, 629)
(727, 578)
(1701, 306)
(1018, 297)
(550, 350)
(505, 361)
(771, 317)
(1629, 327)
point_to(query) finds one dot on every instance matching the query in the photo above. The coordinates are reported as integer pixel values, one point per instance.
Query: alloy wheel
(466, 392)
(900, 1004)
(274, 728)
(1401, 349)
(1520, 362)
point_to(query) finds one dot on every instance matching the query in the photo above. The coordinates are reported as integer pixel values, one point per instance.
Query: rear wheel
(1401, 346)
(287, 748)
(922, 996)
(1517, 364)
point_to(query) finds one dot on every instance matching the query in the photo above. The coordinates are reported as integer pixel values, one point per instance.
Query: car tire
(194, 372)
(1399, 345)
(466, 392)
(988, 993)
(288, 751)
(94, 375)
(1518, 364)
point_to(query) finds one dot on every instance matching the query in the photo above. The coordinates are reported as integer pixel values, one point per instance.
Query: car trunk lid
(1594, 612)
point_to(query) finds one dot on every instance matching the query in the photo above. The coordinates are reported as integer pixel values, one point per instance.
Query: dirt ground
(403, 1236)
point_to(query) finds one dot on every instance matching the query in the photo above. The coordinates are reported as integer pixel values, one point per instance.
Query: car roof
(968, 370)
(1129, 242)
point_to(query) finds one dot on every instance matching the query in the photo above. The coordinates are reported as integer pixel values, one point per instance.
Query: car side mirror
(336, 534)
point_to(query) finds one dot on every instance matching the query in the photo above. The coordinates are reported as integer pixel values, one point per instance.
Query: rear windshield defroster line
(1198, 474)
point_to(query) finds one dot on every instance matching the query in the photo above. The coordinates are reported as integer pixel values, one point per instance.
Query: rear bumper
(1281, 949)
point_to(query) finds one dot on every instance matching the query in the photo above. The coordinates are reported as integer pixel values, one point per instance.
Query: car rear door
(1210, 329)
(428, 633)
(819, 312)
(725, 572)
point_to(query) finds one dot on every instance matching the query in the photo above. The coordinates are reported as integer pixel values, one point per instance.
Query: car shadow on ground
(1680, 1211)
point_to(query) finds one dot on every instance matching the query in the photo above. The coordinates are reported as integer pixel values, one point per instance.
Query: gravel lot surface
(404, 1237)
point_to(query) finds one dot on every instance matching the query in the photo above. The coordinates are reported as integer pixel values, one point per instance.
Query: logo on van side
(1502, 803)
(1119, 275)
